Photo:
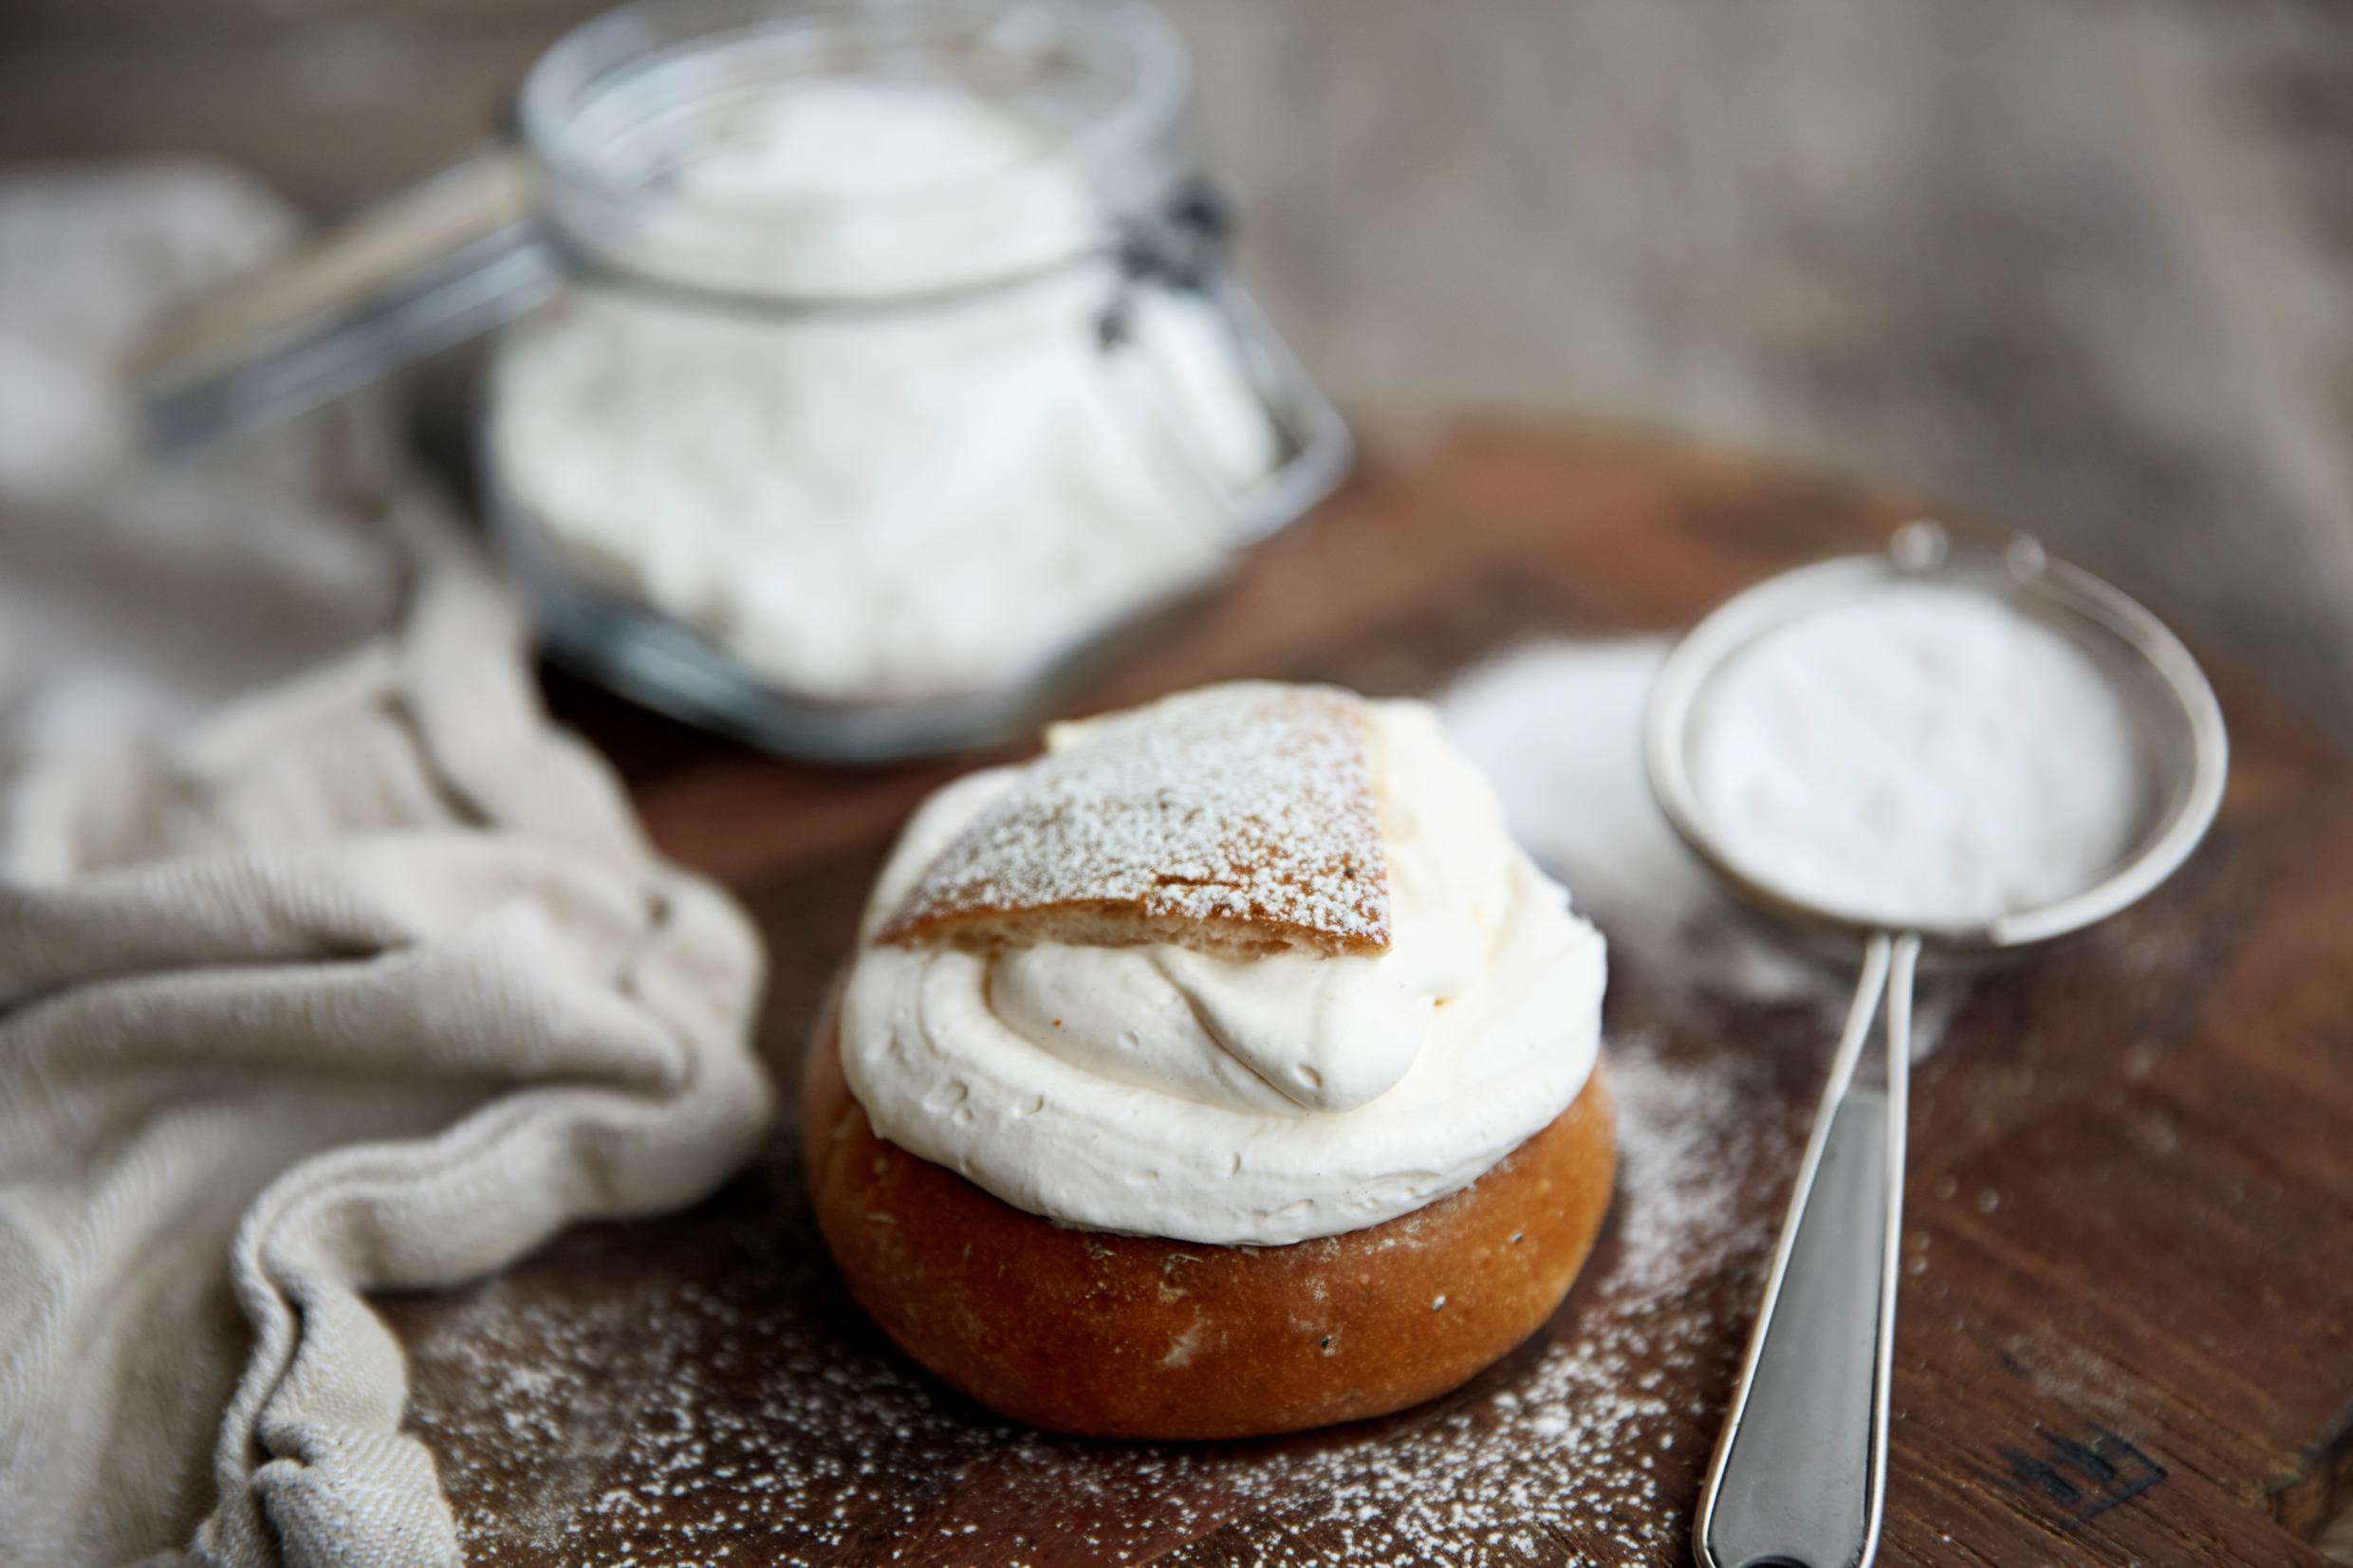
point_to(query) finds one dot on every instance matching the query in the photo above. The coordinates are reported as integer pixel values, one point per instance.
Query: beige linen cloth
(326, 964)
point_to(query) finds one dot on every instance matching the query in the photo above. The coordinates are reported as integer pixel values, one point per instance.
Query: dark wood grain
(2127, 1319)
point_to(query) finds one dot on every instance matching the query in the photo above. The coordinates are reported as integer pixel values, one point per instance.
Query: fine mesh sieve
(1800, 1471)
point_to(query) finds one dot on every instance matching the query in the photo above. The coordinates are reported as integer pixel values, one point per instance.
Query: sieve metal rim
(2194, 767)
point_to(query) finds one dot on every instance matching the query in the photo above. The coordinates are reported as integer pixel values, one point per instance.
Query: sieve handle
(1801, 1471)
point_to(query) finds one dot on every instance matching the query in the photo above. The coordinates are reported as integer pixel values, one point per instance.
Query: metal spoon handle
(455, 254)
(1802, 1467)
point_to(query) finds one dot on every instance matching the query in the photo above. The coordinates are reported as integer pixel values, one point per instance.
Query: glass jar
(880, 367)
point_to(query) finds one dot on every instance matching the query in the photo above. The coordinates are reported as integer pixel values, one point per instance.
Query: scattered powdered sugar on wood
(705, 1395)
(1233, 817)
(1571, 1449)
(729, 1406)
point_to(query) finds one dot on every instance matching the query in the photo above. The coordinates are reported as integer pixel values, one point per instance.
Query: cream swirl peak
(1162, 1091)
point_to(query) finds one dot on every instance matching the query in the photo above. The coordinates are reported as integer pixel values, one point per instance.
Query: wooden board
(2127, 1319)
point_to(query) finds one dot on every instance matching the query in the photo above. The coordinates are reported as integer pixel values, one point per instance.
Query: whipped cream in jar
(894, 368)
(867, 364)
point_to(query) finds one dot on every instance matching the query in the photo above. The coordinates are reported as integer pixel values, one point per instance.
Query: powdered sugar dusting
(735, 1408)
(1237, 813)
(710, 1397)
(1925, 752)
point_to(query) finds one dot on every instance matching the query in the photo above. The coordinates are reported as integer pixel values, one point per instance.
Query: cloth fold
(327, 964)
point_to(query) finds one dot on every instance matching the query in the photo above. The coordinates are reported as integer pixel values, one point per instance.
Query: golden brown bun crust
(1106, 1336)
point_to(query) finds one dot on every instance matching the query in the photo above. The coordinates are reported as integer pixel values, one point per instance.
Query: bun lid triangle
(1238, 821)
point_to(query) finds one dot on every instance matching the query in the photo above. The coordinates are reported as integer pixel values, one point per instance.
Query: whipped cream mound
(1160, 1091)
